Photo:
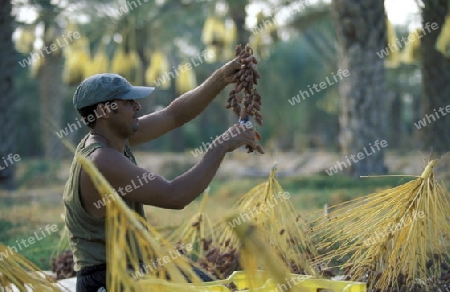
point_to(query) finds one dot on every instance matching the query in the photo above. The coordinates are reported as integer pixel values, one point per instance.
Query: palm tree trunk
(237, 12)
(435, 78)
(7, 97)
(51, 92)
(361, 30)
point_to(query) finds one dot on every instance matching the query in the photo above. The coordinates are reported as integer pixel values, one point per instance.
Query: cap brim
(138, 92)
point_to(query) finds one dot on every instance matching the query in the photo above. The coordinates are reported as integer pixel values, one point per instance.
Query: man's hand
(236, 136)
(228, 70)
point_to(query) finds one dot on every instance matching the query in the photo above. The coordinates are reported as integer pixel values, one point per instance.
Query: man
(109, 104)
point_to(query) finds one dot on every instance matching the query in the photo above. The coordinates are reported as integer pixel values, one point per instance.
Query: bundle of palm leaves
(270, 208)
(16, 272)
(196, 232)
(392, 238)
(256, 255)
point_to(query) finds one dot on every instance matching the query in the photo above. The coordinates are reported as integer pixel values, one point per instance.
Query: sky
(400, 12)
(403, 12)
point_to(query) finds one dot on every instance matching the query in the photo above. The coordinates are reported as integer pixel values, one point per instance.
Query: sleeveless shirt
(87, 234)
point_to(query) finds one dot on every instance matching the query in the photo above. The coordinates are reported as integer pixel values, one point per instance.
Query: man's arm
(185, 108)
(151, 189)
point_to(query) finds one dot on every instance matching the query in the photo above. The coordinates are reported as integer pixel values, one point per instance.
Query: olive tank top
(87, 234)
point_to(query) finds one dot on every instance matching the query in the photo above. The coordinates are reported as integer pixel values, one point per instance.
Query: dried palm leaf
(392, 237)
(269, 207)
(16, 272)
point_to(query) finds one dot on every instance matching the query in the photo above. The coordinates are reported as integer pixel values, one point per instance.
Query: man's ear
(103, 110)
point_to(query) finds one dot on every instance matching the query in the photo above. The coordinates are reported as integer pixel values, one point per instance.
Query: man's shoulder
(107, 158)
(106, 155)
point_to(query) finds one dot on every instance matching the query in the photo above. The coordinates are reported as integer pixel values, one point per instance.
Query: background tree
(238, 13)
(8, 97)
(300, 50)
(50, 80)
(435, 79)
(361, 30)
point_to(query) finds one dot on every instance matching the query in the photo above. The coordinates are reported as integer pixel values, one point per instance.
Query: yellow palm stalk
(260, 39)
(443, 41)
(156, 72)
(36, 67)
(269, 207)
(261, 261)
(214, 36)
(98, 64)
(219, 34)
(25, 40)
(213, 31)
(120, 62)
(394, 234)
(185, 81)
(393, 58)
(18, 272)
(196, 230)
(230, 39)
(135, 67)
(76, 56)
(411, 51)
(211, 57)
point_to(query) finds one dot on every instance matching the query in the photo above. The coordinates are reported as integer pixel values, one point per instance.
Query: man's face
(125, 121)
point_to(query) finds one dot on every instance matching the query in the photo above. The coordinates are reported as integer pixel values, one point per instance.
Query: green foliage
(5, 226)
(40, 252)
(341, 182)
(37, 172)
(290, 70)
(27, 128)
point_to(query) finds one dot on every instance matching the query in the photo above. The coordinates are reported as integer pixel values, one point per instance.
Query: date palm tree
(50, 82)
(7, 98)
(361, 32)
(48, 73)
(435, 79)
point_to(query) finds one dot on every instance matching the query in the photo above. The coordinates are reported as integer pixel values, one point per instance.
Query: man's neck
(110, 140)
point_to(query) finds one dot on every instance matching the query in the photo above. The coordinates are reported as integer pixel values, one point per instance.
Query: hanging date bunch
(244, 99)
